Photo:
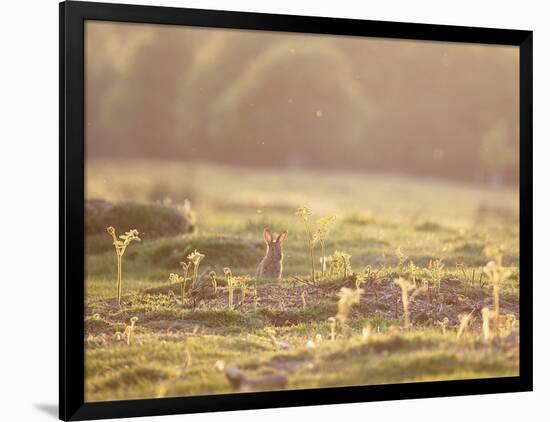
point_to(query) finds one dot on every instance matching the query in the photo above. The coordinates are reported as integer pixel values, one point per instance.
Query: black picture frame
(72, 16)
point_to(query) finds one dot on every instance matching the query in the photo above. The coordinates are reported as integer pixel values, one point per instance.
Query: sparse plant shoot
(406, 287)
(332, 322)
(212, 276)
(305, 213)
(120, 245)
(129, 331)
(324, 226)
(436, 271)
(340, 264)
(464, 323)
(348, 298)
(195, 258)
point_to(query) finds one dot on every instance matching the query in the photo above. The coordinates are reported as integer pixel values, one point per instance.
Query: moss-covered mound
(152, 220)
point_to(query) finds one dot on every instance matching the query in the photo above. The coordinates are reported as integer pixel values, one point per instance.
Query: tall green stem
(183, 291)
(119, 278)
(345, 267)
(195, 275)
(310, 241)
(324, 262)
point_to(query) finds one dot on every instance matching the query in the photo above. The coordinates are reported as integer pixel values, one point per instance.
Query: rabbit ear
(268, 237)
(282, 237)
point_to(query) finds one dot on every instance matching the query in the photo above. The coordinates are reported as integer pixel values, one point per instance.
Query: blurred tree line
(288, 100)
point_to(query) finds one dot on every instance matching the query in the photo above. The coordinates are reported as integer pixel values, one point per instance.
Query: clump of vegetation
(413, 269)
(324, 226)
(348, 298)
(360, 279)
(436, 272)
(242, 283)
(230, 281)
(408, 290)
(185, 267)
(339, 263)
(120, 245)
(129, 331)
(497, 275)
(401, 259)
(195, 259)
(182, 280)
(315, 236)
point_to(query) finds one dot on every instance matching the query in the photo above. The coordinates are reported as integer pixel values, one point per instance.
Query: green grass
(376, 214)
(157, 366)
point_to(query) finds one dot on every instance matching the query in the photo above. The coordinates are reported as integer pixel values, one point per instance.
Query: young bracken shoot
(129, 331)
(443, 324)
(120, 245)
(436, 270)
(230, 286)
(185, 267)
(332, 322)
(464, 323)
(305, 213)
(324, 225)
(212, 276)
(359, 280)
(348, 298)
(195, 257)
(406, 287)
(182, 280)
(401, 259)
(497, 275)
(340, 263)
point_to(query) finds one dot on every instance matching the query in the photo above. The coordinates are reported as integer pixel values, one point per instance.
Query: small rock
(282, 346)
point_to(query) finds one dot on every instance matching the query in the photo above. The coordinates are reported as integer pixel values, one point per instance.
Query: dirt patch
(429, 307)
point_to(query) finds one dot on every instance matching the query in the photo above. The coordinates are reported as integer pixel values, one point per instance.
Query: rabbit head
(274, 245)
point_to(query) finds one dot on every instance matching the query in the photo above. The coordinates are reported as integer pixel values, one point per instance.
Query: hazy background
(292, 101)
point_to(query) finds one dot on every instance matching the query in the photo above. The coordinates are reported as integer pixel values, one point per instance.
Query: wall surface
(29, 212)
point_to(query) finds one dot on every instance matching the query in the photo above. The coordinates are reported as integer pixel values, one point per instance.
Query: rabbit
(271, 265)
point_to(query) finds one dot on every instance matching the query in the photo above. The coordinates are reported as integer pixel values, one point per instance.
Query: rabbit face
(275, 251)
(274, 246)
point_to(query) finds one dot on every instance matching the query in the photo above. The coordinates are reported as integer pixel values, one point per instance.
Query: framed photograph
(266, 211)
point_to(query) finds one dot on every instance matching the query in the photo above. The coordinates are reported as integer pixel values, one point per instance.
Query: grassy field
(281, 335)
